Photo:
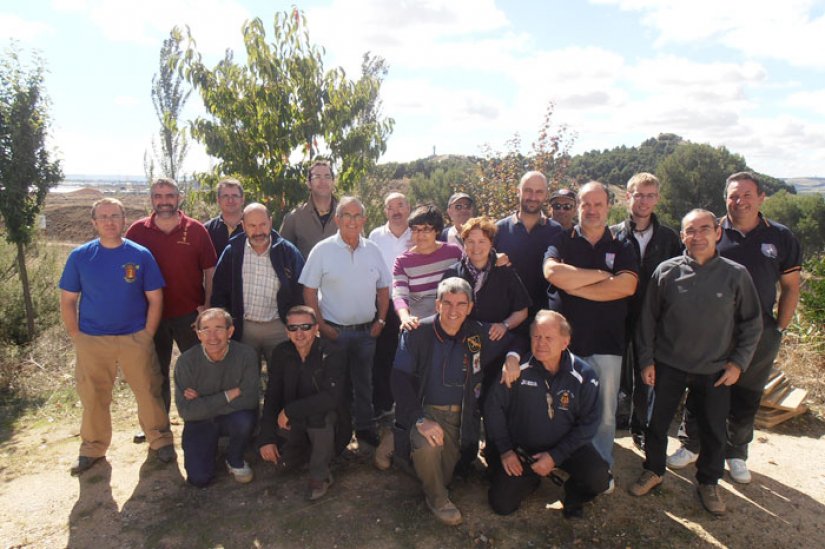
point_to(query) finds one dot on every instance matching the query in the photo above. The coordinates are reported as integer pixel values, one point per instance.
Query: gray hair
(255, 207)
(546, 314)
(346, 201)
(454, 285)
(213, 312)
(164, 182)
(531, 174)
(701, 211)
(392, 196)
(589, 186)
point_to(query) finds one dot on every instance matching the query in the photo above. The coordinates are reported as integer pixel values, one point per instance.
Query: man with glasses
(347, 284)
(460, 208)
(698, 329)
(652, 243)
(121, 288)
(229, 222)
(524, 237)
(546, 421)
(216, 393)
(256, 280)
(312, 221)
(563, 208)
(186, 257)
(303, 407)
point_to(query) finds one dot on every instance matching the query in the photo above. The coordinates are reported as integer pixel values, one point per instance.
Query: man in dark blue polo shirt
(524, 237)
(771, 253)
(230, 221)
(595, 274)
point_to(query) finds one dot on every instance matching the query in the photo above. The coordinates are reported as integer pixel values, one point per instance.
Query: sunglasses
(565, 207)
(303, 327)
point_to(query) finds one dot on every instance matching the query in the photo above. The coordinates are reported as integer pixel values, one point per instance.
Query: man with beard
(256, 280)
(186, 256)
(524, 237)
(311, 222)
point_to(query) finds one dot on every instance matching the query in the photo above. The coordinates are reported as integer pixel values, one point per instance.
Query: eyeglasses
(565, 207)
(422, 229)
(105, 218)
(322, 176)
(303, 327)
(704, 230)
(352, 217)
(645, 196)
(212, 331)
(230, 197)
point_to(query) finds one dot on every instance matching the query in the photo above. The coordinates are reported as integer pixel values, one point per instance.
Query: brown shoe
(711, 499)
(383, 453)
(318, 488)
(447, 513)
(646, 482)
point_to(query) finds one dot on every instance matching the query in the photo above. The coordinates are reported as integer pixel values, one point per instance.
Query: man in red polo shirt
(183, 250)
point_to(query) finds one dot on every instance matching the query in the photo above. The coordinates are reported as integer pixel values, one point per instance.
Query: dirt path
(131, 501)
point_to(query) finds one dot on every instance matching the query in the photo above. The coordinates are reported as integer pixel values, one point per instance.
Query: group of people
(413, 335)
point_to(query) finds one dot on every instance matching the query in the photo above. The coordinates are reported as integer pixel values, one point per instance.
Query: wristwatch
(506, 323)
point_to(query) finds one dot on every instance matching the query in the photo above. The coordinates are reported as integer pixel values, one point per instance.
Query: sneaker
(318, 488)
(646, 482)
(242, 474)
(639, 441)
(447, 513)
(711, 498)
(166, 454)
(383, 453)
(83, 463)
(681, 458)
(367, 436)
(611, 485)
(139, 438)
(739, 471)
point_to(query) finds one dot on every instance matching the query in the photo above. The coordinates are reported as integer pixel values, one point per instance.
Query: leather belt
(352, 327)
(455, 408)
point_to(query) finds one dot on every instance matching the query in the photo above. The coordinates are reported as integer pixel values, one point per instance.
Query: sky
(745, 74)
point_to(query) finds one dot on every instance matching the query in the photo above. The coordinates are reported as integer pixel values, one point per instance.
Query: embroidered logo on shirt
(564, 399)
(609, 259)
(476, 363)
(474, 344)
(769, 250)
(184, 237)
(130, 272)
(529, 383)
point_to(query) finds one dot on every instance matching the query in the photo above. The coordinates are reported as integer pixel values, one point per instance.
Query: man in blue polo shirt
(595, 274)
(524, 237)
(771, 253)
(347, 283)
(113, 326)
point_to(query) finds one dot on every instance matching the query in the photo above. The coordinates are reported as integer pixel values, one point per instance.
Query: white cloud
(127, 101)
(813, 100)
(13, 26)
(791, 31)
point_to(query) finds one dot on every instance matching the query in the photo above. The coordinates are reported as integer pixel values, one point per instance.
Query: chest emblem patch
(476, 363)
(130, 272)
(474, 344)
(609, 260)
(564, 400)
(769, 250)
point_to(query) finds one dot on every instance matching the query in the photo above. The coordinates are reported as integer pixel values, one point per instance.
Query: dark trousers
(355, 349)
(745, 397)
(588, 478)
(315, 445)
(385, 347)
(711, 407)
(178, 329)
(200, 443)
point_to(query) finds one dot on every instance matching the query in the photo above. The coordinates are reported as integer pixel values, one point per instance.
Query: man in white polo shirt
(347, 282)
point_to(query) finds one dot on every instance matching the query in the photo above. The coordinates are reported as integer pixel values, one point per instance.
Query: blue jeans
(355, 347)
(200, 443)
(609, 370)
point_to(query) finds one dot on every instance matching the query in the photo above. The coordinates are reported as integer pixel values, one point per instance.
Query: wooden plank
(777, 394)
(767, 418)
(792, 400)
(775, 379)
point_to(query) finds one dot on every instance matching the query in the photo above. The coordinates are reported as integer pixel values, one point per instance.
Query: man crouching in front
(216, 392)
(545, 421)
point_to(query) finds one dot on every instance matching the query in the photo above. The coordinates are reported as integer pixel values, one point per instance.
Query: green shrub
(812, 296)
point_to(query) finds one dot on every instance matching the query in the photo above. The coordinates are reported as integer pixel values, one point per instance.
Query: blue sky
(747, 74)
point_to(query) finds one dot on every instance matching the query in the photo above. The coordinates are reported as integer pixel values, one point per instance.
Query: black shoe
(367, 436)
(639, 441)
(139, 438)
(573, 512)
(83, 463)
(166, 454)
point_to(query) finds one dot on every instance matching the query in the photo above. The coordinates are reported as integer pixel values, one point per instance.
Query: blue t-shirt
(111, 283)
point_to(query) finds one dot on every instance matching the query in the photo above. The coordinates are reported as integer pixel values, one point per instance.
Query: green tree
(168, 98)
(694, 177)
(803, 214)
(26, 168)
(279, 110)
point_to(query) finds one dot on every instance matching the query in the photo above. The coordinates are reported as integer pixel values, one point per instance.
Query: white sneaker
(240, 474)
(681, 458)
(739, 471)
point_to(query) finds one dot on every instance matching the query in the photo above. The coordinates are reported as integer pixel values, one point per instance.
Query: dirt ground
(130, 500)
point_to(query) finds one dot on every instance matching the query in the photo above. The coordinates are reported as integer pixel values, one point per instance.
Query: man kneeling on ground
(546, 421)
(216, 392)
(303, 403)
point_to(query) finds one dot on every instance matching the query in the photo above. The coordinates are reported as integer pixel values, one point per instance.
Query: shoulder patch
(769, 250)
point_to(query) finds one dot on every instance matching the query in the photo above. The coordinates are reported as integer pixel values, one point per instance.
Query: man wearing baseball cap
(460, 208)
(563, 208)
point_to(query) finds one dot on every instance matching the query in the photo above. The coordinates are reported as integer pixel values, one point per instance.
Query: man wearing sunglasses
(303, 405)
(460, 208)
(216, 393)
(545, 421)
(563, 208)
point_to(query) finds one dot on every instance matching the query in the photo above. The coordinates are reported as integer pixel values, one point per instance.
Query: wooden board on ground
(767, 418)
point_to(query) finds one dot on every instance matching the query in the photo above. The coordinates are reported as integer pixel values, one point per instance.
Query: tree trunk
(27, 294)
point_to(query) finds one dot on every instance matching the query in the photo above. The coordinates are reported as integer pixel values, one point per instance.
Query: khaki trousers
(434, 465)
(98, 358)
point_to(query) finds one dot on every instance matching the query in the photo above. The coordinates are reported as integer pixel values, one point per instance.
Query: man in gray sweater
(216, 393)
(698, 329)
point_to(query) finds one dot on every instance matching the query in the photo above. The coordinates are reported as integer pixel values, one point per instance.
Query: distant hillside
(807, 184)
